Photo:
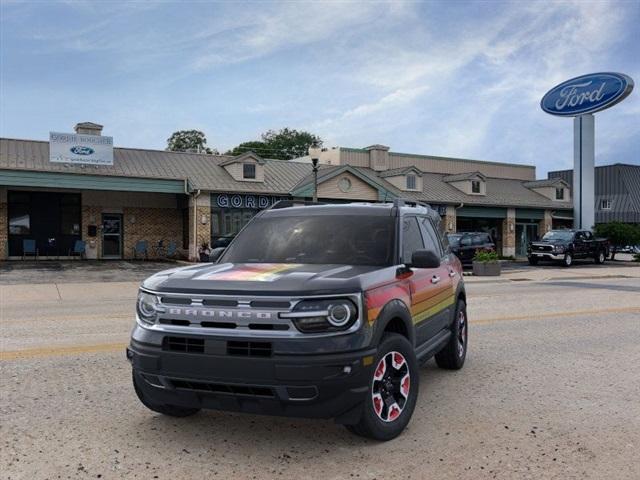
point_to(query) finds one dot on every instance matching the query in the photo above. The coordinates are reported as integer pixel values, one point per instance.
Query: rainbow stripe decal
(425, 301)
(258, 272)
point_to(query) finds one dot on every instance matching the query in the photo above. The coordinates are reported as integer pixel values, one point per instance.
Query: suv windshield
(317, 239)
(454, 239)
(558, 235)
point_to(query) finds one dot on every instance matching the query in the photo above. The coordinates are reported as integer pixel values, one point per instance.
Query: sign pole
(583, 171)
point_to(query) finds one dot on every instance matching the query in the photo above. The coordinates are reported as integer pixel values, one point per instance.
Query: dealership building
(114, 198)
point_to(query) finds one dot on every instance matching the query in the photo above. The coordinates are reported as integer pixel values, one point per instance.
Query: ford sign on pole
(76, 148)
(587, 94)
(580, 97)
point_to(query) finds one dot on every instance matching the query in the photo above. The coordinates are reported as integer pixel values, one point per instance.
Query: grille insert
(268, 326)
(183, 344)
(249, 349)
(248, 390)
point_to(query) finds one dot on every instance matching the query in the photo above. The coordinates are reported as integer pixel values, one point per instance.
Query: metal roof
(463, 176)
(281, 177)
(201, 170)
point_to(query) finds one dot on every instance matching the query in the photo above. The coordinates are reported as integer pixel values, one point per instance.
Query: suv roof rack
(293, 203)
(401, 202)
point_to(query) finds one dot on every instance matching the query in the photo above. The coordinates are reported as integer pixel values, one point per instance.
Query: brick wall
(509, 233)
(152, 225)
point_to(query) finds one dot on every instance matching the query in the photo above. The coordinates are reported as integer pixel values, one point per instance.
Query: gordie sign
(587, 94)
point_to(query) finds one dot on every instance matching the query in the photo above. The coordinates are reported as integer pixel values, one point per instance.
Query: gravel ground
(550, 390)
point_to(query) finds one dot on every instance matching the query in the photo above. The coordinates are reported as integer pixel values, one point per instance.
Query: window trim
(414, 179)
(244, 171)
(560, 190)
(609, 204)
(479, 184)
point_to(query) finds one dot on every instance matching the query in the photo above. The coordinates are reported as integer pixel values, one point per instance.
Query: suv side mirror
(425, 259)
(216, 253)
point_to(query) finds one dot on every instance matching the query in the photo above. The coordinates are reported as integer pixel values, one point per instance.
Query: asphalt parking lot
(550, 390)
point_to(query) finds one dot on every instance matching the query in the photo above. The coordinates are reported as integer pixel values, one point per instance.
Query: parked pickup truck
(565, 246)
(319, 311)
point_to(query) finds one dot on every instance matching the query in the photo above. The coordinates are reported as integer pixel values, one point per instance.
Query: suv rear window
(317, 239)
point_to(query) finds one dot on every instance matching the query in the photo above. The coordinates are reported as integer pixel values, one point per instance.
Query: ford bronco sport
(321, 311)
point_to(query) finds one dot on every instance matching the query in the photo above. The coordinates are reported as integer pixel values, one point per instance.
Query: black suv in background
(319, 311)
(465, 244)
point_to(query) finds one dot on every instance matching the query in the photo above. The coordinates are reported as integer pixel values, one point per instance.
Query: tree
(284, 144)
(188, 141)
(619, 234)
(257, 147)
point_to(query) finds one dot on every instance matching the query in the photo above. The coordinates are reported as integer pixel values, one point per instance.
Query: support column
(4, 227)
(200, 220)
(450, 219)
(583, 172)
(545, 224)
(509, 234)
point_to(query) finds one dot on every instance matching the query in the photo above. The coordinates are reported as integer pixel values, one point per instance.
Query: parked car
(565, 246)
(329, 315)
(465, 245)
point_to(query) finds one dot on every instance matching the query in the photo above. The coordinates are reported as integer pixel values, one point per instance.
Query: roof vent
(88, 128)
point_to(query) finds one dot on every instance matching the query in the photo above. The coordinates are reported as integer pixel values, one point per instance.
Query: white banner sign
(74, 148)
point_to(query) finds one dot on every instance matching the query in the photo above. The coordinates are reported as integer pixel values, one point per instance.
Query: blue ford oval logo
(79, 150)
(587, 94)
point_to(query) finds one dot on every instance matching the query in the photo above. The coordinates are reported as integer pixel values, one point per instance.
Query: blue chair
(172, 248)
(142, 249)
(79, 248)
(29, 248)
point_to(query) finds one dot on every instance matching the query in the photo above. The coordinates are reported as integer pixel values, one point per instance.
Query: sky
(450, 78)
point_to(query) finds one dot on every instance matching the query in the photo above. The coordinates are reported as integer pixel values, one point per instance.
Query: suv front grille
(247, 390)
(183, 344)
(249, 349)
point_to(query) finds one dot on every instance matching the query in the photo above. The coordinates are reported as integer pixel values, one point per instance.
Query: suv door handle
(452, 273)
(435, 279)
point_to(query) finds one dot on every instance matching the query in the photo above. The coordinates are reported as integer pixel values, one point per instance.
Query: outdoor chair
(29, 248)
(160, 249)
(142, 249)
(172, 249)
(79, 248)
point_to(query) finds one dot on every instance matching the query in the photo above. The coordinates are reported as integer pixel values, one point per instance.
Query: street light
(314, 153)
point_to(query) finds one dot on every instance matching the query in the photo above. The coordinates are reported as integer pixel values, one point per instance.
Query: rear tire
(169, 410)
(453, 355)
(393, 392)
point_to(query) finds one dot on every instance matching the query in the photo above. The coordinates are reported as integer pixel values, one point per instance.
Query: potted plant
(486, 264)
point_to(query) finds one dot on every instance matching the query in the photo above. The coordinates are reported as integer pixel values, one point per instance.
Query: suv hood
(261, 279)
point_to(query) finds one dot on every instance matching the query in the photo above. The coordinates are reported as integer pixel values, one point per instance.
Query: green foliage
(483, 256)
(259, 148)
(189, 141)
(619, 234)
(284, 144)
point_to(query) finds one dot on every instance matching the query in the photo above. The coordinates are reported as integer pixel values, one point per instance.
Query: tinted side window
(478, 239)
(465, 241)
(411, 238)
(431, 241)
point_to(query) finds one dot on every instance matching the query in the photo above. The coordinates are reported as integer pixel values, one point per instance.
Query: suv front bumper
(313, 386)
(546, 255)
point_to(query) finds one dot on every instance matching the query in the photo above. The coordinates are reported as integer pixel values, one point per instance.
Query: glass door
(111, 235)
(525, 233)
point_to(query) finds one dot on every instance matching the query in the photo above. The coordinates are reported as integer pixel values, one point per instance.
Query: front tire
(453, 355)
(567, 261)
(533, 261)
(169, 410)
(393, 391)
(600, 257)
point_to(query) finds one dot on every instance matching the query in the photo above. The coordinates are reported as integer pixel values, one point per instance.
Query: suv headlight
(146, 307)
(326, 315)
(559, 248)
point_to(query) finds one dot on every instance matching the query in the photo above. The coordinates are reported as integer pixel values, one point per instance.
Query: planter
(486, 269)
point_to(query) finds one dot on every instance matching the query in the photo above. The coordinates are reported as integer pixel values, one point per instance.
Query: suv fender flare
(392, 310)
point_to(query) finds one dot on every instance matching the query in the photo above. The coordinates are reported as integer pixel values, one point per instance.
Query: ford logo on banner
(587, 94)
(79, 150)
